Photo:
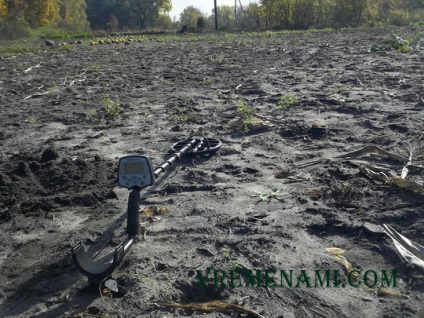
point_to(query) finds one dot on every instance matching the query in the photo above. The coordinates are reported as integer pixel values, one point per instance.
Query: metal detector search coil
(204, 146)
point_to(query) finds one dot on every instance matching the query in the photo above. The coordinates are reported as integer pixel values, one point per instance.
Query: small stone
(50, 43)
(373, 229)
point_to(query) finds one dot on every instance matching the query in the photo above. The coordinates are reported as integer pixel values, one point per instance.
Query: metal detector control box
(135, 171)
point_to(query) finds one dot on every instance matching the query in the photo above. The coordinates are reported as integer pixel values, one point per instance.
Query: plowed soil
(60, 150)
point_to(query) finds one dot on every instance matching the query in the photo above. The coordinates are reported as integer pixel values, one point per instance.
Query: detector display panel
(135, 171)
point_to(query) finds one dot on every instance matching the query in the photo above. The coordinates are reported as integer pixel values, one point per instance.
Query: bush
(57, 33)
(11, 29)
(201, 23)
(399, 18)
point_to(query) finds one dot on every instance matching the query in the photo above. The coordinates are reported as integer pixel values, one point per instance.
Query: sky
(206, 6)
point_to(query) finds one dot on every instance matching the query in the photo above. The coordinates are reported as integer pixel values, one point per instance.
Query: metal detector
(135, 173)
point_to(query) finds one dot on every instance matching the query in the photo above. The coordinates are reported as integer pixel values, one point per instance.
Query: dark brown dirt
(59, 155)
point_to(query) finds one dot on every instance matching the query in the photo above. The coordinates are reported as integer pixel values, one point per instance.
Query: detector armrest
(103, 267)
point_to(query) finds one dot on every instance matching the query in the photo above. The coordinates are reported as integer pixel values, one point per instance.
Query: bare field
(284, 106)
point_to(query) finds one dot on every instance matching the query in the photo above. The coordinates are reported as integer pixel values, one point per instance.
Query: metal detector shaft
(166, 165)
(98, 270)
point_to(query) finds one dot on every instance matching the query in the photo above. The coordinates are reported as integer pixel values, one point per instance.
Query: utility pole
(216, 16)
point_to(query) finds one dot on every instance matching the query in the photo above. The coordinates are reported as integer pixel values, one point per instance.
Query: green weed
(206, 81)
(216, 60)
(93, 112)
(286, 102)
(17, 49)
(398, 44)
(57, 33)
(26, 48)
(267, 196)
(31, 120)
(226, 251)
(96, 68)
(184, 115)
(245, 112)
(113, 109)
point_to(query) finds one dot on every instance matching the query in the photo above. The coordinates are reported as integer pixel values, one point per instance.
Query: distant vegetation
(66, 18)
(19, 17)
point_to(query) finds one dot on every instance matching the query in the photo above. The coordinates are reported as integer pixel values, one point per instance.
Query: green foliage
(226, 21)
(112, 24)
(57, 33)
(18, 17)
(24, 48)
(216, 60)
(31, 120)
(93, 112)
(16, 49)
(40, 13)
(12, 28)
(304, 14)
(398, 44)
(184, 115)
(190, 16)
(273, 194)
(286, 102)
(131, 14)
(206, 81)
(246, 113)
(399, 17)
(201, 23)
(3, 9)
(112, 109)
(96, 68)
(164, 22)
(72, 15)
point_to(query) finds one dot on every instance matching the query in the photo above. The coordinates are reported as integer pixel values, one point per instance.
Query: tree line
(304, 14)
(18, 16)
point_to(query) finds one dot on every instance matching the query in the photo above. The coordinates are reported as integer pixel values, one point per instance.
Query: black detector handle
(99, 270)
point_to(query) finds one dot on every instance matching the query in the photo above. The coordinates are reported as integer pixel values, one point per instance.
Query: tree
(324, 13)
(72, 14)
(40, 13)
(3, 9)
(349, 12)
(268, 12)
(147, 11)
(164, 22)
(190, 15)
(99, 11)
(225, 17)
(251, 17)
(13, 25)
(112, 24)
(304, 14)
(284, 18)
